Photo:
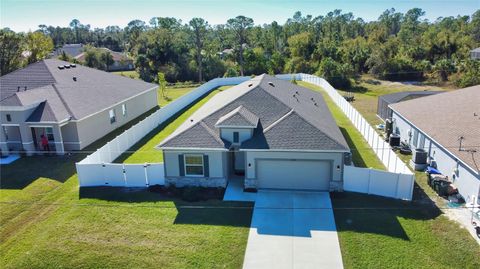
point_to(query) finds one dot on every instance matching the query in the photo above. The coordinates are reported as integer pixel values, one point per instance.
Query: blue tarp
(432, 170)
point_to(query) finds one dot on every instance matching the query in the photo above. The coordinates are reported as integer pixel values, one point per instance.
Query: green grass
(366, 95)
(130, 74)
(45, 222)
(377, 232)
(144, 150)
(362, 154)
(172, 94)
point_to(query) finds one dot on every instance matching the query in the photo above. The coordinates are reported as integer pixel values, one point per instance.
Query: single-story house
(72, 50)
(475, 54)
(269, 132)
(383, 110)
(447, 126)
(72, 105)
(121, 62)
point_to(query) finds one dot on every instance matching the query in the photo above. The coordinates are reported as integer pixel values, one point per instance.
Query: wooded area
(337, 46)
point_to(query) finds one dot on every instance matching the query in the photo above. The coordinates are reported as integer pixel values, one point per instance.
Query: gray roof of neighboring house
(238, 117)
(445, 118)
(116, 56)
(93, 90)
(289, 117)
(401, 96)
(72, 50)
(476, 50)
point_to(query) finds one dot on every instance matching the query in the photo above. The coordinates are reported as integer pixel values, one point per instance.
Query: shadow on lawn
(356, 157)
(210, 212)
(364, 213)
(25, 170)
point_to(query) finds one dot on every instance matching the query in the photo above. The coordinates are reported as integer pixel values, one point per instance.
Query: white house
(447, 126)
(271, 132)
(72, 105)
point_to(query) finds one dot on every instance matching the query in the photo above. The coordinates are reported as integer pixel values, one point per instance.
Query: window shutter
(181, 165)
(206, 170)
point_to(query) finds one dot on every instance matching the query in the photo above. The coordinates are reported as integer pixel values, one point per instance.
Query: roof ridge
(211, 132)
(62, 100)
(277, 121)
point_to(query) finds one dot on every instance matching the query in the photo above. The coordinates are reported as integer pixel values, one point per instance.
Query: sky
(26, 15)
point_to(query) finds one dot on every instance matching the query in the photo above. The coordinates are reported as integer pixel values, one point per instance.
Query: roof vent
(25, 88)
(73, 65)
(74, 78)
(191, 120)
(67, 66)
(18, 89)
(250, 85)
(297, 93)
(60, 67)
(271, 84)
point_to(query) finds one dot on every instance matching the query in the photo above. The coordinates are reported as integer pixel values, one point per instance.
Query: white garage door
(293, 174)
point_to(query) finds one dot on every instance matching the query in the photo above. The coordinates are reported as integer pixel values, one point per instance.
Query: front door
(34, 136)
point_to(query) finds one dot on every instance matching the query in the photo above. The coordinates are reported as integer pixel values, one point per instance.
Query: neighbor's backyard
(46, 222)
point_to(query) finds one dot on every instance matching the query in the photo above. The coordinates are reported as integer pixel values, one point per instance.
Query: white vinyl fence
(382, 183)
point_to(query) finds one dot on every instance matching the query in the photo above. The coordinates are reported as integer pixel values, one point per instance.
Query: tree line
(337, 46)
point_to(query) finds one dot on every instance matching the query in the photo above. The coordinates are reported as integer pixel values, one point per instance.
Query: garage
(294, 174)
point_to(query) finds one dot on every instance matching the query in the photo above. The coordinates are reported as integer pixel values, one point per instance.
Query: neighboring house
(72, 105)
(447, 126)
(383, 110)
(121, 62)
(72, 50)
(270, 132)
(475, 54)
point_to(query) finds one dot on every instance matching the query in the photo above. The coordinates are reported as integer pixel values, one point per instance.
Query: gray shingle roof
(238, 117)
(93, 90)
(289, 117)
(445, 118)
(476, 50)
(400, 96)
(72, 50)
(42, 113)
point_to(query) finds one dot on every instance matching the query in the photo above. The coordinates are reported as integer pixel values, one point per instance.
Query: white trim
(11, 124)
(188, 149)
(200, 165)
(20, 108)
(114, 105)
(436, 142)
(294, 150)
(26, 143)
(40, 126)
(236, 127)
(75, 143)
(13, 141)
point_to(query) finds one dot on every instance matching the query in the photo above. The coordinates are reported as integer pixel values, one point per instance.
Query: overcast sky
(25, 15)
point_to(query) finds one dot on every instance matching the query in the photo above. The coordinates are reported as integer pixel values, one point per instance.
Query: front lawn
(45, 222)
(377, 232)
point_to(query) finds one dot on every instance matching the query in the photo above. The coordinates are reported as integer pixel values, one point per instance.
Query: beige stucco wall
(96, 126)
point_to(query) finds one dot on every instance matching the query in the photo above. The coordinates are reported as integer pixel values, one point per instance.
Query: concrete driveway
(293, 229)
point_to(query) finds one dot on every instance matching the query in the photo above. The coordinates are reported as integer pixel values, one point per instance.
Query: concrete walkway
(234, 191)
(293, 229)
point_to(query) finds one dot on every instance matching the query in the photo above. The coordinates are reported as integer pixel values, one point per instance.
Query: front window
(111, 113)
(194, 165)
(235, 137)
(124, 110)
